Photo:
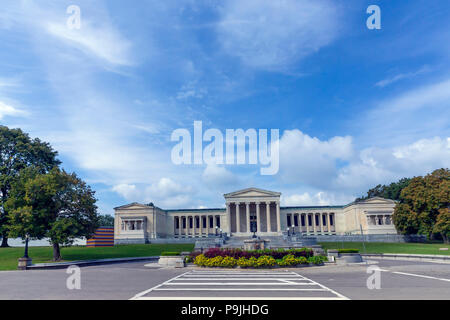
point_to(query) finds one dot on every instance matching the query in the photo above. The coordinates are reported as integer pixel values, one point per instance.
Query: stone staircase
(275, 242)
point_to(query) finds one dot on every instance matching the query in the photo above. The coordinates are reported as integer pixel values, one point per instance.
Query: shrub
(317, 260)
(201, 260)
(266, 261)
(228, 262)
(247, 263)
(276, 254)
(168, 253)
(348, 250)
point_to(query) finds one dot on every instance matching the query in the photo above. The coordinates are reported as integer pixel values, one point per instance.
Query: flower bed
(230, 258)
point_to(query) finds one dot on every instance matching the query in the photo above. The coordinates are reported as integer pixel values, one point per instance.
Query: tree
(424, 205)
(391, 191)
(106, 220)
(17, 152)
(56, 205)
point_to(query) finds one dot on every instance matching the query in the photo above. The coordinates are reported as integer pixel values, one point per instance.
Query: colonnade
(311, 222)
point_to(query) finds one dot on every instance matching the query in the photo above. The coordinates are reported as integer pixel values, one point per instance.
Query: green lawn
(379, 247)
(9, 256)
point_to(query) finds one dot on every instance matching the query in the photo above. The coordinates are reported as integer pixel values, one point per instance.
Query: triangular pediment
(133, 205)
(379, 200)
(252, 192)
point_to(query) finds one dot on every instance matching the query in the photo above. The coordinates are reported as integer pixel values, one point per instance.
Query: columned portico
(259, 208)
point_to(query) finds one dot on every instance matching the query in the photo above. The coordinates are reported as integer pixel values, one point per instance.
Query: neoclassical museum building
(248, 211)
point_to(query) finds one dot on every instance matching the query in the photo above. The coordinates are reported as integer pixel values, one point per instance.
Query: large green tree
(424, 206)
(17, 152)
(391, 191)
(56, 205)
(106, 220)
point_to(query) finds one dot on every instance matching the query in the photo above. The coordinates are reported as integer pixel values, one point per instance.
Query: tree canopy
(55, 205)
(424, 206)
(391, 191)
(106, 220)
(17, 152)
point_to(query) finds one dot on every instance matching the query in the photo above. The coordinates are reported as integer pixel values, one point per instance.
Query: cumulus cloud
(165, 192)
(309, 160)
(318, 198)
(385, 165)
(274, 34)
(219, 176)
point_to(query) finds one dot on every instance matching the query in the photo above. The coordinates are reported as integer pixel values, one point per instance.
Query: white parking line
(420, 275)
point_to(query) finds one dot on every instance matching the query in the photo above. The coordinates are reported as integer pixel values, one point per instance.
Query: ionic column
(207, 225)
(247, 212)
(313, 218)
(278, 216)
(321, 228)
(269, 227)
(238, 218)
(194, 225)
(228, 228)
(201, 225)
(258, 218)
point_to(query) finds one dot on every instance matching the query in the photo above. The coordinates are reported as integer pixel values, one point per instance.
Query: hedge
(168, 253)
(348, 250)
(264, 261)
(238, 253)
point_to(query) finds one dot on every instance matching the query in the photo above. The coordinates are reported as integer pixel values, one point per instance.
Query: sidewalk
(85, 263)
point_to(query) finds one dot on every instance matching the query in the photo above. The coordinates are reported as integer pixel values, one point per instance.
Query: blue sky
(355, 107)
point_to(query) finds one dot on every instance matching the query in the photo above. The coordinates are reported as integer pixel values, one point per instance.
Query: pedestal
(24, 263)
(256, 244)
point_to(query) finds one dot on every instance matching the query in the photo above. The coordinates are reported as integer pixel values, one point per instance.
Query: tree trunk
(4, 240)
(56, 252)
(445, 238)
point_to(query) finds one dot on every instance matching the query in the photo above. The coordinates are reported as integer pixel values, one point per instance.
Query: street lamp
(293, 230)
(287, 229)
(217, 229)
(25, 256)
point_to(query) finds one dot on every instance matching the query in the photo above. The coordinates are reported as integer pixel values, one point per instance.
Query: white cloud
(315, 199)
(103, 42)
(274, 34)
(385, 165)
(385, 82)
(219, 177)
(8, 110)
(308, 160)
(165, 193)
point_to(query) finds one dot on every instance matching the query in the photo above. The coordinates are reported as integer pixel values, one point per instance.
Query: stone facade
(252, 210)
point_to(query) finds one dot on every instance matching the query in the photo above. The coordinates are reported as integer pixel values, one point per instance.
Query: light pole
(287, 229)
(293, 230)
(25, 261)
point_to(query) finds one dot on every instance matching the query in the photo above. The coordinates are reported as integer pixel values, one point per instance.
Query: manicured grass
(9, 256)
(379, 247)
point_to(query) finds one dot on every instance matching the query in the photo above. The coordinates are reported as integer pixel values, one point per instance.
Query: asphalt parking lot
(398, 280)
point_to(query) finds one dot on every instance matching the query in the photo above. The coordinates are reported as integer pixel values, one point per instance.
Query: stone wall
(371, 238)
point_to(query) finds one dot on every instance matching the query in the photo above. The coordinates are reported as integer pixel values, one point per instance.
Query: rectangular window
(218, 221)
(184, 223)
(303, 220)
(190, 223)
(211, 222)
(296, 220)
(309, 221)
(324, 220)
(331, 219)
(177, 223)
(317, 219)
(289, 220)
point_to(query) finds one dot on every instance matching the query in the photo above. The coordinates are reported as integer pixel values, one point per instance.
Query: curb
(86, 263)
(410, 257)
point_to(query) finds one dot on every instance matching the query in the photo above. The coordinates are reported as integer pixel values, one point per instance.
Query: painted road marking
(199, 283)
